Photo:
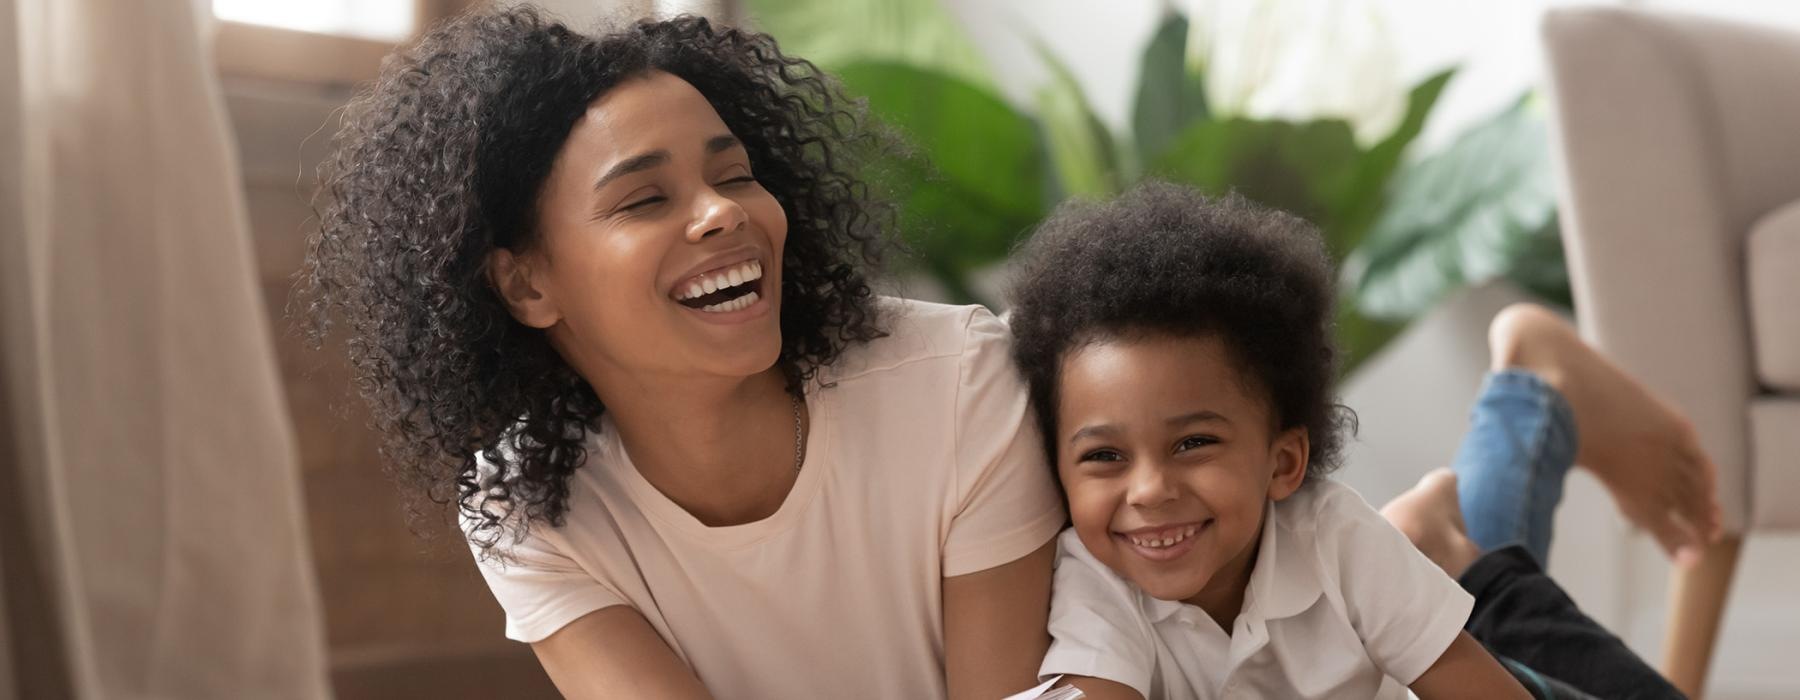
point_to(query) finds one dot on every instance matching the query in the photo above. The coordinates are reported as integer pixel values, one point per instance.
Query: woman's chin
(748, 359)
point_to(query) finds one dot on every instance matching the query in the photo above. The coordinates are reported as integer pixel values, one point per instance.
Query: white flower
(1299, 60)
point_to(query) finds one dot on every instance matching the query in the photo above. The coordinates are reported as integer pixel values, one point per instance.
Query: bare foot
(1429, 515)
(1643, 450)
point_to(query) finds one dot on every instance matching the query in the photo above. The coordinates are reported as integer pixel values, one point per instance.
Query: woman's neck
(721, 448)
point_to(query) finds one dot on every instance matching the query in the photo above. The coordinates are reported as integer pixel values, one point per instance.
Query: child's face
(1168, 461)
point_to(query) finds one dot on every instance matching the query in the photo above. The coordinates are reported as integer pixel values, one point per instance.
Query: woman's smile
(732, 292)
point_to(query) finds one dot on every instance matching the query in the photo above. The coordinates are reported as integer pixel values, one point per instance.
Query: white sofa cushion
(1775, 460)
(1773, 269)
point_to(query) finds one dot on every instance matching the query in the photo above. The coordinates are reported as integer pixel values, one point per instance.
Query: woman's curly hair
(1163, 259)
(441, 161)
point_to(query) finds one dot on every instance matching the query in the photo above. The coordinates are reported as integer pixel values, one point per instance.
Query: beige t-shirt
(923, 462)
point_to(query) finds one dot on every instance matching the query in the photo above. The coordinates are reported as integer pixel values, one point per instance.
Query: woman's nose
(716, 213)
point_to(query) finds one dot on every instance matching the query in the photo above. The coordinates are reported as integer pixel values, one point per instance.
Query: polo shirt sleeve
(540, 588)
(1006, 503)
(1406, 610)
(1097, 628)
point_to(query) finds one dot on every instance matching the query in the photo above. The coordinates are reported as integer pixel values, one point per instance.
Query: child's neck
(1223, 597)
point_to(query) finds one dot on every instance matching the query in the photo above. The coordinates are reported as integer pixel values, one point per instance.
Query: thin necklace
(799, 446)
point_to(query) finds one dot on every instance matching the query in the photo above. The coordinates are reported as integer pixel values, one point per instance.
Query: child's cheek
(1091, 507)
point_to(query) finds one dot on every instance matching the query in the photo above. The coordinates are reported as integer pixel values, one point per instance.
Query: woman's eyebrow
(723, 142)
(646, 161)
(637, 163)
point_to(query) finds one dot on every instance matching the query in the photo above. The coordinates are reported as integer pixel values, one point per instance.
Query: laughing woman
(608, 298)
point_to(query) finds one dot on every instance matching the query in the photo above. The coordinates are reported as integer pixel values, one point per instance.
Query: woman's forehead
(653, 106)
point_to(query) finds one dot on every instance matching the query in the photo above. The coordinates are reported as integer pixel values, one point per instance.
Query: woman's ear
(1291, 450)
(513, 278)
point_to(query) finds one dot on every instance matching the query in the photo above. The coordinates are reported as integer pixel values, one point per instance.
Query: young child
(1180, 358)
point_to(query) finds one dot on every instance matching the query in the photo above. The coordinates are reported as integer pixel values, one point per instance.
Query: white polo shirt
(1340, 605)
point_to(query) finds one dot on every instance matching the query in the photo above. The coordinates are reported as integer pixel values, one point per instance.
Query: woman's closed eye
(738, 175)
(642, 202)
(639, 198)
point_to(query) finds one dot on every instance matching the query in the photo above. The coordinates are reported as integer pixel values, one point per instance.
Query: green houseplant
(1406, 229)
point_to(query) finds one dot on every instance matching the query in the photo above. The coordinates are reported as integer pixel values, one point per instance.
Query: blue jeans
(1509, 471)
(1510, 468)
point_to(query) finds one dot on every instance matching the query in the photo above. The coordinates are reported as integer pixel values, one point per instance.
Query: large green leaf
(974, 186)
(1541, 268)
(1297, 166)
(1477, 210)
(1169, 96)
(1081, 149)
(830, 34)
(1363, 198)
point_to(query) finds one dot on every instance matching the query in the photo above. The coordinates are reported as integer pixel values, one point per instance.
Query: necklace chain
(799, 445)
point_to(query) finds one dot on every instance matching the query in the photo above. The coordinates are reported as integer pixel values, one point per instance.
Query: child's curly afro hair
(1164, 259)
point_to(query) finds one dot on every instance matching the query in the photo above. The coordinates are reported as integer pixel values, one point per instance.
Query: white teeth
(1161, 542)
(707, 284)
(733, 305)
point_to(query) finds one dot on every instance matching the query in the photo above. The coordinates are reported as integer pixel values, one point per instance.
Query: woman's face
(658, 252)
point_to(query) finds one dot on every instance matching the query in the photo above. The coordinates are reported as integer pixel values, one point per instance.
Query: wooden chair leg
(1696, 603)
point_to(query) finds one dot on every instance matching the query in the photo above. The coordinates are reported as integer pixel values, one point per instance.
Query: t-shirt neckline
(813, 471)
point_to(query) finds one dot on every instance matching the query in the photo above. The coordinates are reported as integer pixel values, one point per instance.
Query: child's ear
(513, 279)
(1290, 450)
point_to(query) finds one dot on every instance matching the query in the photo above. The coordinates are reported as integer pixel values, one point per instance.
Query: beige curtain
(151, 532)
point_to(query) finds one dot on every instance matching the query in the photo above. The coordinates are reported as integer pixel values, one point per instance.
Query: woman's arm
(614, 653)
(995, 626)
(1466, 670)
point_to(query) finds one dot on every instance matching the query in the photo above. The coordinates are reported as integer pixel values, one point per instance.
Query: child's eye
(1195, 442)
(1103, 455)
(739, 180)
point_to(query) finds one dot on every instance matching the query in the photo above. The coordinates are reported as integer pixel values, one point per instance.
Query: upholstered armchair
(1679, 142)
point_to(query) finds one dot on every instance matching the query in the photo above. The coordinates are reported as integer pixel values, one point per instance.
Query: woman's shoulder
(919, 331)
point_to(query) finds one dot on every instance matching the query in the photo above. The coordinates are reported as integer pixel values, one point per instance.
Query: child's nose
(1150, 485)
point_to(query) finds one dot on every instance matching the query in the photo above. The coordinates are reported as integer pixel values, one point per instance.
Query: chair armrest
(1654, 246)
